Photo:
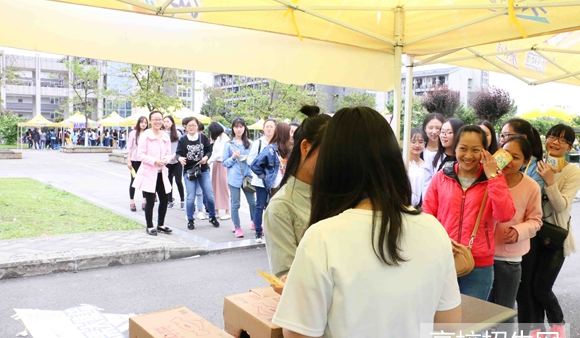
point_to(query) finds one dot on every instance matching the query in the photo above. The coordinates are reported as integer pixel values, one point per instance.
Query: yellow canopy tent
(131, 121)
(38, 121)
(290, 41)
(259, 125)
(186, 112)
(554, 58)
(113, 120)
(556, 112)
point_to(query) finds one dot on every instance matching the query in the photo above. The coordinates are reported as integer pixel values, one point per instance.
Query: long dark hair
(430, 117)
(524, 127)
(493, 147)
(238, 121)
(282, 139)
(138, 128)
(173, 135)
(373, 168)
(456, 124)
(215, 130)
(312, 129)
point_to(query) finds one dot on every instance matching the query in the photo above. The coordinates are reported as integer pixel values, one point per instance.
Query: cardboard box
(174, 323)
(250, 314)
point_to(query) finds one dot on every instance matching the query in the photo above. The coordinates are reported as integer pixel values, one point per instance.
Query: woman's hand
(489, 164)
(182, 160)
(546, 172)
(454, 246)
(235, 154)
(129, 164)
(203, 160)
(161, 163)
(510, 236)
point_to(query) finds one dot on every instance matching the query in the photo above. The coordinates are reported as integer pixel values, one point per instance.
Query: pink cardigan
(527, 198)
(150, 150)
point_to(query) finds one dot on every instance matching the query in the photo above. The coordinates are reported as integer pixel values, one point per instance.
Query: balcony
(23, 90)
(29, 63)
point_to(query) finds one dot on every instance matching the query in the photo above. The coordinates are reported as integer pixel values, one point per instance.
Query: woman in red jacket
(455, 196)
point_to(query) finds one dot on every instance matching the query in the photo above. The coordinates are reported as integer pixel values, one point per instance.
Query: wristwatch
(492, 176)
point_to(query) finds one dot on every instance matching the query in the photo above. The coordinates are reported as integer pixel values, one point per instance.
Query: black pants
(150, 198)
(176, 170)
(136, 165)
(536, 300)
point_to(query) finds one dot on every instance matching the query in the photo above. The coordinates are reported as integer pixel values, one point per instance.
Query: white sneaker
(201, 215)
(226, 216)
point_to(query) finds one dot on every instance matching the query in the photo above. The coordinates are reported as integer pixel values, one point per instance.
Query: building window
(19, 100)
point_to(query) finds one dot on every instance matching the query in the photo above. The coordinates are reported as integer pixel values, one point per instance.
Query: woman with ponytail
(288, 213)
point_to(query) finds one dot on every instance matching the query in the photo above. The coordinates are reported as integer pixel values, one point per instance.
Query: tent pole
(554, 78)
(505, 69)
(555, 64)
(396, 120)
(436, 58)
(408, 111)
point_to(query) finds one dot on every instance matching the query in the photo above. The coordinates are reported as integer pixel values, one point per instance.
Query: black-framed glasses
(561, 140)
(505, 136)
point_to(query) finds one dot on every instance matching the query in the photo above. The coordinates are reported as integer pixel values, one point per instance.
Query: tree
(157, 88)
(8, 75)
(9, 127)
(214, 102)
(417, 117)
(85, 85)
(466, 114)
(543, 124)
(491, 104)
(269, 98)
(356, 99)
(441, 100)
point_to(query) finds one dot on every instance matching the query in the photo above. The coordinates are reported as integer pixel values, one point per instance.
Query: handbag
(247, 181)
(551, 236)
(464, 262)
(194, 173)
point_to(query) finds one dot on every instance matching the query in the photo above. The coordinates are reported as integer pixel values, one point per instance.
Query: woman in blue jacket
(270, 165)
(235, 158)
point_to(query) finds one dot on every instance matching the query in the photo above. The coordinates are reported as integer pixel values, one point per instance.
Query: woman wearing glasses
(152, 178)
(562, 184)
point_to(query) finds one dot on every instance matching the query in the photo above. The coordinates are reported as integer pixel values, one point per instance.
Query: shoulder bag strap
(239, 162)
(474, 233)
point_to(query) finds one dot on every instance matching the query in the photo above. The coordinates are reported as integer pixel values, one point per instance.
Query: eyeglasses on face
(561, 140)
(417, 142)
(192, 125)
(445, 133)
(156, 120)
(506, 135)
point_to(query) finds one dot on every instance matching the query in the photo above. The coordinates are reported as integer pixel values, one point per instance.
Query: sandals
(133, 207)
(164, 229)
(151, 231)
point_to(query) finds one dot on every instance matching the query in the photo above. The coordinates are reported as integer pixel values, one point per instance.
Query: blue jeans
(505, 288)
(191, 187)
(199, 200)
(235, 204)
(478, 283)
(261, 199)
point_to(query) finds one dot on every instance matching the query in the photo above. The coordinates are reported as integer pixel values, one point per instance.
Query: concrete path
(106, 184)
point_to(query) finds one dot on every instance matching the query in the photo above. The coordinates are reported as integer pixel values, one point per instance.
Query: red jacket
(457, 210)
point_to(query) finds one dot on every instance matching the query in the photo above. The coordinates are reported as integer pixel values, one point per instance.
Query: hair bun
(310, 110)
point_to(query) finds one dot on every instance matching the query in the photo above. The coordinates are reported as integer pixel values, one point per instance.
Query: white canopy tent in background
(343, 43)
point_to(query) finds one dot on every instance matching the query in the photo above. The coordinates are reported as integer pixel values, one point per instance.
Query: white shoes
(226, 216)
(201, 215)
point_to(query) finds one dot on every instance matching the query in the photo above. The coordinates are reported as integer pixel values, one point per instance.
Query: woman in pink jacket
(153, 177)
(455, 196)
(512, 238)
(132, 161)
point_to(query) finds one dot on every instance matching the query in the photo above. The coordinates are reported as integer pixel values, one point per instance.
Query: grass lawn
(29, 208)
(8, 146)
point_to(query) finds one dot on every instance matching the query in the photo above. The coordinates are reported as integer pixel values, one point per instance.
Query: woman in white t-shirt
(432, 126)
(369, 265)
(418, 168)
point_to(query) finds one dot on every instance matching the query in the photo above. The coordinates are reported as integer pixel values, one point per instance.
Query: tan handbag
(464, 262)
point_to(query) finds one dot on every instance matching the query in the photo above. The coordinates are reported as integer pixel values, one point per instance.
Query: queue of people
(405, 224)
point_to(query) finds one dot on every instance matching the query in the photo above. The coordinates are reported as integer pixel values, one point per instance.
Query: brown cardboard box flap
(252, 313)
(179, 322)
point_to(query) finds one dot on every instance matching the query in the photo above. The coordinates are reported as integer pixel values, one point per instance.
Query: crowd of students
(366, 245)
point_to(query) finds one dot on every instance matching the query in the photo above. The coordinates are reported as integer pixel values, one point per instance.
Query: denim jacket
(235, 177)
(266, 166)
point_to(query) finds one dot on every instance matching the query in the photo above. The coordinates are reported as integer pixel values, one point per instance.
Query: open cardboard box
(250, 314)
(174, 323)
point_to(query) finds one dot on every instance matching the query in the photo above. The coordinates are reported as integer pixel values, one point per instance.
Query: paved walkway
(106, 184)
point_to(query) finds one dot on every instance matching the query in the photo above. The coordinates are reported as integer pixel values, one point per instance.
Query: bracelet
(492, 176)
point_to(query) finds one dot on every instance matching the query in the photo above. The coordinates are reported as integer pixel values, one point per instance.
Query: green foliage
(466, 114)
(85, 85)
(441, 100)
(510, 115)
(152, 83)
(9, 127)
(417, 117)
(491, 104)
(575, 121)
(8, 76)
(543, 124)
(214, 102)
(356, 99)
(269, 98)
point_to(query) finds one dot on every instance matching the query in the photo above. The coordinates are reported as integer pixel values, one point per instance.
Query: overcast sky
(527, 97)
